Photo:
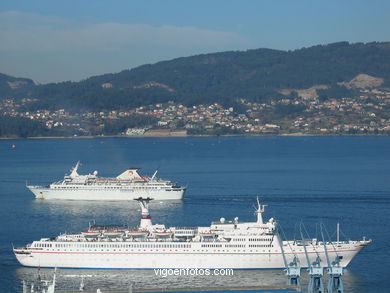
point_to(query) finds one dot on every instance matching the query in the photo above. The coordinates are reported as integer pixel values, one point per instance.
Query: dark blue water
(309, 179)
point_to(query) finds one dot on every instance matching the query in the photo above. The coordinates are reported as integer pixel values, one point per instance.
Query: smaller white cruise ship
(126, 186)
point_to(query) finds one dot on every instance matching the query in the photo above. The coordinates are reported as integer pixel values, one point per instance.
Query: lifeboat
(163, 233)
(113, 233)
(90, 233)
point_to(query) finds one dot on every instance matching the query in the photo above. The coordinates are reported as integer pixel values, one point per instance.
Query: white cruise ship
(223, 244)
(126, 186)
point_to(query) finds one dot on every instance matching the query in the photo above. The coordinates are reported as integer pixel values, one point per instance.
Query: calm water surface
(309, 179)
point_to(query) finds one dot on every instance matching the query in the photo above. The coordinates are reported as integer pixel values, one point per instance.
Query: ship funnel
(146, 220)
(130, 174)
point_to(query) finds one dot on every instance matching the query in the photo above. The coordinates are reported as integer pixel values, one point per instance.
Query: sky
(54, 41)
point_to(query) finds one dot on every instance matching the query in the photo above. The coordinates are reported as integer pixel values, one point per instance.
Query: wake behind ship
(126, 186)
(223, 244)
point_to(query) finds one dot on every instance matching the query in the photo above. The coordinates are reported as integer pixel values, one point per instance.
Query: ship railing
(33, 248)
(185, 233)
(230, 222)
(159, 240)
(210, 240)
(335, 242)
(39, 186)
(306, 242)
(27, 246)
(140, 240)
(108, 227)
(315, 241)
(22, 247)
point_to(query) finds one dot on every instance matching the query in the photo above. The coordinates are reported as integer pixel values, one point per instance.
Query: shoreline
(184, 136)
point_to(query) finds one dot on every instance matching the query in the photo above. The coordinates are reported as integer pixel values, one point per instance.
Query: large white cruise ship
(223, 244)
(126, 186)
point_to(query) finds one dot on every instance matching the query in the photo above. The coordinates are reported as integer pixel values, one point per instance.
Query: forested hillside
(257, 75)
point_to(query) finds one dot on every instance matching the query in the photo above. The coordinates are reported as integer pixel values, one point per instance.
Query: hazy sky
(52, 40)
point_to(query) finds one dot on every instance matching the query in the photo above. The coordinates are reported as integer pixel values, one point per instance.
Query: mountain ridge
(256, 74)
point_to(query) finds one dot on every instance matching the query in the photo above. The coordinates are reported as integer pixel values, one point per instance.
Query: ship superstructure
(223, 244)
(126, 186)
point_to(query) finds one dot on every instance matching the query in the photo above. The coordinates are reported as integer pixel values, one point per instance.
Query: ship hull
(106, 194)
(179, 258)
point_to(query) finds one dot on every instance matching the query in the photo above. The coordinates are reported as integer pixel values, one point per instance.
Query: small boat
(91, 233)
(113, 233)
(163, 233)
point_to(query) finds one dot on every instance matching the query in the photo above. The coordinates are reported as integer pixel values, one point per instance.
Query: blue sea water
(309, 179)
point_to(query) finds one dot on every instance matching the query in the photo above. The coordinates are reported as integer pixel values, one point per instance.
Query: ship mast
(74, 173)
(259, 211)
(145, 220)
(154, 175)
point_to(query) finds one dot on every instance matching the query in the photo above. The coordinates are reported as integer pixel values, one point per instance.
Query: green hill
(11, 86)
(256, 75)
